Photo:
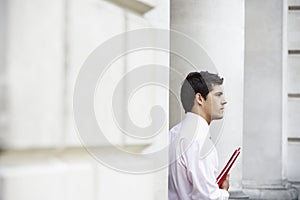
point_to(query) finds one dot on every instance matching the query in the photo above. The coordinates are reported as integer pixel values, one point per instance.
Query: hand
(225, 184)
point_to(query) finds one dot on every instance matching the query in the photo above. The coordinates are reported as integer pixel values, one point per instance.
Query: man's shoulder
(175, 128)
(174, 132)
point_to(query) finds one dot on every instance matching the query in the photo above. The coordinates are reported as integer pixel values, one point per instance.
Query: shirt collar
(199, 124)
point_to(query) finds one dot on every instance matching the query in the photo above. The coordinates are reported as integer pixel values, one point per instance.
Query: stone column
(218, 26)
(263, 170)
(3, 86)
(42, 48)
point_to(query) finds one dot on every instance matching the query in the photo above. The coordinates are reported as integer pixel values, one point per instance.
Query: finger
(227, 177)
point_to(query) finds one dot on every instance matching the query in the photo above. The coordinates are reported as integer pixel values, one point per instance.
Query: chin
(218, 117)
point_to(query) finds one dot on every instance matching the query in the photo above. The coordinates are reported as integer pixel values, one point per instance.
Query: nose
(224, 102)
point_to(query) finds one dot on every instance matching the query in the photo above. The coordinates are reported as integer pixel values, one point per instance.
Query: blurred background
(255, 46)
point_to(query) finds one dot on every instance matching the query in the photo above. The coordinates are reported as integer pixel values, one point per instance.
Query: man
(193, 158)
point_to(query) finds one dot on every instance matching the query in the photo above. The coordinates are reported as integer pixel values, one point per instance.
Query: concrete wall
(263, 92)
(291, 79)
(43, 45)
(3, 85)
(268, 156)
(41, 155)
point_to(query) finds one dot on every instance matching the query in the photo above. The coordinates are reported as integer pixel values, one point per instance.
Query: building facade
(254, 45)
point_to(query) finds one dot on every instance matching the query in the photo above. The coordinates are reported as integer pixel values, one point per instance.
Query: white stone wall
(34, 63)
(292, 86)
(262, 109)
(46, 43)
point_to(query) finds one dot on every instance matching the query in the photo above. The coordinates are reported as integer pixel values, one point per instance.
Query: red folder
(222, 176)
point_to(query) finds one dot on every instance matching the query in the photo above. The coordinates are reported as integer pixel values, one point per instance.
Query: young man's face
(215, 102)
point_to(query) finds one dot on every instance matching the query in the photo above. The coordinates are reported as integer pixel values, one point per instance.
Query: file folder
(222, 176)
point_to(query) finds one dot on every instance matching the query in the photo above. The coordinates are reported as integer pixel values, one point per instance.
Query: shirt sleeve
(201, 173)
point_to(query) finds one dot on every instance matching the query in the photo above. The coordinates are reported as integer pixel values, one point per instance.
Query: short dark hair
(197, 82)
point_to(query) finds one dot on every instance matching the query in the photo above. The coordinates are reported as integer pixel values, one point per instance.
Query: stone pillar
(3, 113)
(42, 47)
(218, 26)
(263, 149)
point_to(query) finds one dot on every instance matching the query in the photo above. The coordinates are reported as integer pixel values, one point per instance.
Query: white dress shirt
(193, 161)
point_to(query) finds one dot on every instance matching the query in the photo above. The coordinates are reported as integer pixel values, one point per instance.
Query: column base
(235, 195)
(272, 192)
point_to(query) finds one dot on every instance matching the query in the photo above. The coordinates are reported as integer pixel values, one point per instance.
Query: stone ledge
(290, 193)
(235, 195)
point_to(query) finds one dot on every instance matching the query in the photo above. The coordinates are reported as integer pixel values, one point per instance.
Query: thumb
(228, 175)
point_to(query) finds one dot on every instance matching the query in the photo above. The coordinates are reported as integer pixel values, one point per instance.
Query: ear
(199, 99)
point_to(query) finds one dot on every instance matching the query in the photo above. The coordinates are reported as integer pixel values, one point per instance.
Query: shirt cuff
(225, 194)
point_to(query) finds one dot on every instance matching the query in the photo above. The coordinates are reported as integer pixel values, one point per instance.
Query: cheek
(216, 104)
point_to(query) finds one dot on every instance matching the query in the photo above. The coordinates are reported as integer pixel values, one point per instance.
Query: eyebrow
(218, 93)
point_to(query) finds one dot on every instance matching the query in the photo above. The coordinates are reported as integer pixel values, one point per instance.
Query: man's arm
(202, 176)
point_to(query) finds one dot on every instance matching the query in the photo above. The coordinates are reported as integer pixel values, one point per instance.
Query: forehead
(217, 88)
